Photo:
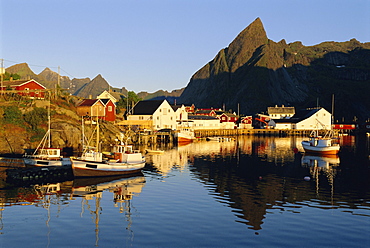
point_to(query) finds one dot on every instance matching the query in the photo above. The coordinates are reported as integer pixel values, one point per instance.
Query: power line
(56, 67)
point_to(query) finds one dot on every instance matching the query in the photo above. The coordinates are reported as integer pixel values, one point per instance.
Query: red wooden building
(228, 117)
(29, 88)
(104, 109)
(110, 110)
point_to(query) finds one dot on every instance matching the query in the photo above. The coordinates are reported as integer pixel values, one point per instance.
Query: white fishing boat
(124, 160)
(44, 154)
(320, 144)
(185, 135)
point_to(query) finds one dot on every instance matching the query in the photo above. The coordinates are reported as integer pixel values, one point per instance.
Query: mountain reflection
(261, 175)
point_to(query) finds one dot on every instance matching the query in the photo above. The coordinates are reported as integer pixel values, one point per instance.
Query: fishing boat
(185, 135)
(317, 144)
(124, 160)
(44, 154)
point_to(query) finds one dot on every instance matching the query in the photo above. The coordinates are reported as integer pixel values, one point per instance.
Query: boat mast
(97, 133)
(49, 125)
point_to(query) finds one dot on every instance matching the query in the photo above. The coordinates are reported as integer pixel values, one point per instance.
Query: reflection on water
(258, 179)
(90, 190)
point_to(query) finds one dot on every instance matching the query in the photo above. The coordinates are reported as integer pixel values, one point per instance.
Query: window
(164, 111)
(110, 109)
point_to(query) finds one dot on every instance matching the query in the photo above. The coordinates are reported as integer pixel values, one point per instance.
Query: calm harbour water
(250, 192)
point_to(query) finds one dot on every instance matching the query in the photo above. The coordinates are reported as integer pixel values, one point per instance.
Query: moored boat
(185, 135)
(92, 164)
(44, 154)
(123, 160)
(320, 145)
(46, 157)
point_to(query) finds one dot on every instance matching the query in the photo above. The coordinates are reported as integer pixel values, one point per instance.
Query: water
(251, 192)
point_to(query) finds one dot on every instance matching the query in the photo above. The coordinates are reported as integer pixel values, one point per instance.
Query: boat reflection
(60, 194)
(123, 189)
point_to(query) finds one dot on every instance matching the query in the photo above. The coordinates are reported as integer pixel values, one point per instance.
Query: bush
(36, 117)
(12, 115)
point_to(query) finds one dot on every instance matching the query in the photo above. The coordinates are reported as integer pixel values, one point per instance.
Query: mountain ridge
(254, 72)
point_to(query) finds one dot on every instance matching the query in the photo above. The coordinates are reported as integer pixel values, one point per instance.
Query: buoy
(307, 178)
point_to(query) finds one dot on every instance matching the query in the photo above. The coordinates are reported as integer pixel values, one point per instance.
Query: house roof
(229, 114)
(202, 117)
(299, 116)
(147, 107)
(88, 102)
(280, 110)
(105, 101)
(15, 83)
(105, 94)
(176, 107)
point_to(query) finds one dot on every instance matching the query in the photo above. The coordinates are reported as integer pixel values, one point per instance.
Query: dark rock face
(254, 73)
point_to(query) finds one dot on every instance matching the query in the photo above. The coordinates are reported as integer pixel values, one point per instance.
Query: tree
(129, 101)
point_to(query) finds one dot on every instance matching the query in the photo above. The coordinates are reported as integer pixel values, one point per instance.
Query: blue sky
(147, 45)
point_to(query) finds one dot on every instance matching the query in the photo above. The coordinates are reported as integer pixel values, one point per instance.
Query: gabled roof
(280, 110)
(176, 107)
(229, 114)
(88, 102)
(147, 107)
(15, 83)
(299, 116)
(105, 101)
(202, 117)
(105, 94)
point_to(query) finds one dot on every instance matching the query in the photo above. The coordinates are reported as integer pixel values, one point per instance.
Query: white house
(204, 122)
(308, 119)
(107, 95)
(280, 112)
(181, 113)
(159, 112)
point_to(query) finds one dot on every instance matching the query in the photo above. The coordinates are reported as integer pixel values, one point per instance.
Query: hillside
(17, 134)
(255, 72)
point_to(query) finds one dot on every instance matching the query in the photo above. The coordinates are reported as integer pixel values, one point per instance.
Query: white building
(159, 112)
(308, 119)
(198, 122)
(280, 112)
(107, 95)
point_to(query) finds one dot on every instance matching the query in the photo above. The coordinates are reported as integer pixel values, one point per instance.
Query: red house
(104, 109)
(29, 88)
(110, 110)
(228, 117)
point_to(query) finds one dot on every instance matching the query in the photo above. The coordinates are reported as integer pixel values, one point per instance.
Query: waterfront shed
(91, 108)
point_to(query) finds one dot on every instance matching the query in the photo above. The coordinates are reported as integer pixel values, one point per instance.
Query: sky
(150, 45)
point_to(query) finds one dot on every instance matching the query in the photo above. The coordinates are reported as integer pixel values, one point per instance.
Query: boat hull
(324, 150)
(47, 162)
(82, 168)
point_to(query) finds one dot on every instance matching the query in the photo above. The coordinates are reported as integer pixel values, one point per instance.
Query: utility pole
(2, 71)
(332, 109)
(58, 75)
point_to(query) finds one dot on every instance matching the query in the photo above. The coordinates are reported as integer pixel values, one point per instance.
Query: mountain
(82, 87)
(254, 72)
(52, 77)
(93, 88)
(161, 95)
